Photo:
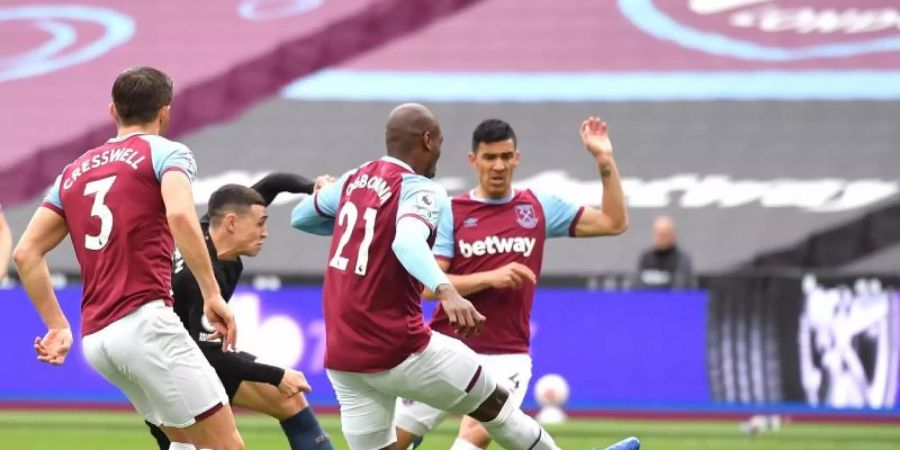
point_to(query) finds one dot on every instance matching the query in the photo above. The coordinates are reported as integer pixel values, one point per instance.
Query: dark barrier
(832, 341)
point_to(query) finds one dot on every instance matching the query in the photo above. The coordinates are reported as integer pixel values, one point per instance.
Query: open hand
(54, 346)
(596, 139)
(464, 318)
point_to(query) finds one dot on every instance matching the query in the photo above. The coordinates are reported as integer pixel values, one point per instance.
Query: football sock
(304, 432)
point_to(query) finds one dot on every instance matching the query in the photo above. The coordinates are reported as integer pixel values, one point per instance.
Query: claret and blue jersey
(125, 252)
(478, 234)
(372, 302)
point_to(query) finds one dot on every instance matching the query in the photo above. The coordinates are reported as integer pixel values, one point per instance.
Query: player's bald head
(412, 134)
(406, 126)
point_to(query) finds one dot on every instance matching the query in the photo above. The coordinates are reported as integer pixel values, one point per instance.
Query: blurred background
(757, 140)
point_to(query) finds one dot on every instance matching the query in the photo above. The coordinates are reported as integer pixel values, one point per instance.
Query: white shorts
(512, 371)
(447, 375)
(150, 356)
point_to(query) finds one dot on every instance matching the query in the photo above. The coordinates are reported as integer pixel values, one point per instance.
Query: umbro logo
(470, 222)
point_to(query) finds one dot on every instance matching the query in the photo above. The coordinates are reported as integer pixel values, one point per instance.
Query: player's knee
(289, 407)
(491, 407)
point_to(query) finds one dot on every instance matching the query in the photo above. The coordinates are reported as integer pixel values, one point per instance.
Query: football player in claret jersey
(125, 204)
(236, 226)
(383, 216)
(491, 244)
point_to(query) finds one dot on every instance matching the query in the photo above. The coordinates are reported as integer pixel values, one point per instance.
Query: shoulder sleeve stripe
(177, 169)
(319, 211)
(54, 208)
(575, 220)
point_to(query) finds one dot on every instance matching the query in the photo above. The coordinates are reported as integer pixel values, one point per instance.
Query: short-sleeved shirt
(111, 201)
(478, 235)
(373, 311)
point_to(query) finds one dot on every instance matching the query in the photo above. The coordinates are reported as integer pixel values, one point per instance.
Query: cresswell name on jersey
(126, 155)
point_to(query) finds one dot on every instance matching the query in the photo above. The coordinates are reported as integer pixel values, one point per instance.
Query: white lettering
(116, 154)
(693, 191)
(375, 184)
(107, 156)
(686, 190)
(503, 245)
(492, 245)
(465, 249)
(808, 20)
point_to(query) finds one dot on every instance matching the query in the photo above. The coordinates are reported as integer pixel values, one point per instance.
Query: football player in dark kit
(235, 226)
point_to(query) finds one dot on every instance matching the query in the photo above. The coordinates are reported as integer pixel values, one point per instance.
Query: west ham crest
(526, 216)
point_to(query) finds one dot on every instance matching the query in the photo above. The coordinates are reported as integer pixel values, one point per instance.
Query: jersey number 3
(99, 189)
(347, 219)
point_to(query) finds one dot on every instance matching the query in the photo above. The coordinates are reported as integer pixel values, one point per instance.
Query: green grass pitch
(116, 431)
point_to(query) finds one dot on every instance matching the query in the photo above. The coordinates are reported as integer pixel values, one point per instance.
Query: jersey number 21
(347, 219)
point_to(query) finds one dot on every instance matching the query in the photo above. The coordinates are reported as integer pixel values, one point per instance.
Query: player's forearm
(259, 373)
(411, 248)
(275, 183)
(188, 236)
(470, 283)
(464, 284)
(304, 217)
(35, 277)
(185, 227)
(613, 205)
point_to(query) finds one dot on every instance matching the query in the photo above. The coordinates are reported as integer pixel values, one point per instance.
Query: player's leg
(97, 352)
(181, 386)
(216, 430)
(162, 440)
(414, 419)
(300, 425)
(450, 376)
(178, 439)
(513, 372)
(367, 414)
(170, 438)
(237, 369)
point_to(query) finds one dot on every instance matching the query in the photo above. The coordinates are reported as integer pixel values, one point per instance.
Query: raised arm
(612, 217)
